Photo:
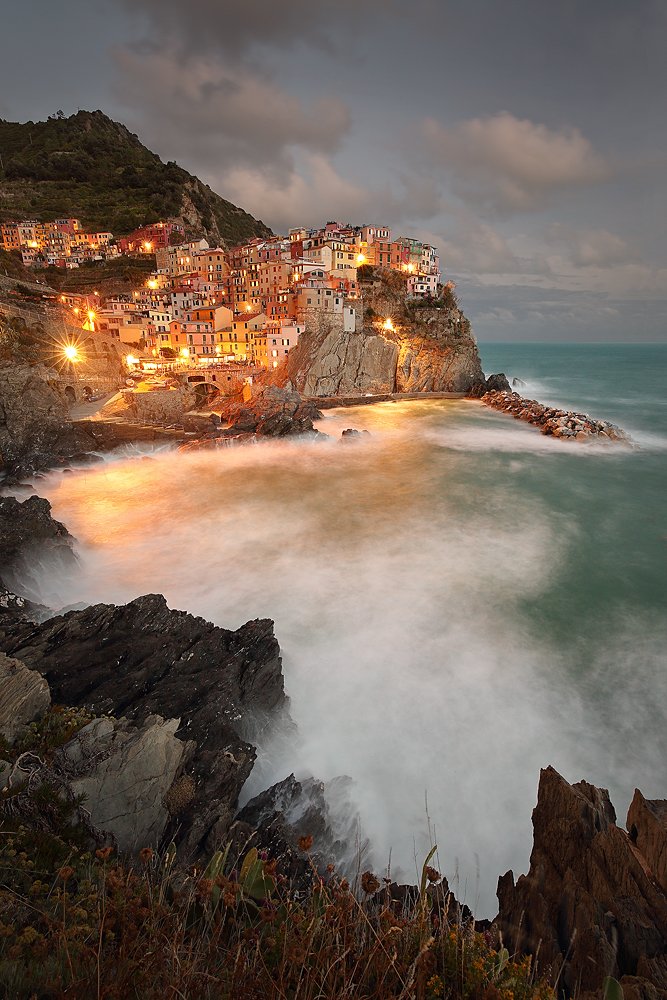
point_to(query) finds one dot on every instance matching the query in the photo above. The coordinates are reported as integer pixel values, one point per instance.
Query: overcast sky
(526, 140)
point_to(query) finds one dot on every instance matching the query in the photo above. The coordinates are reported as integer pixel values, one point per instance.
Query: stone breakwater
(557, 423)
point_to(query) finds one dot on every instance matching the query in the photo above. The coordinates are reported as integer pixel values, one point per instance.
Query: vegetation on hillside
(92, 168)
(77, 921)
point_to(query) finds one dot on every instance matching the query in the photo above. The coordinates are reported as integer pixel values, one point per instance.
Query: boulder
(590, 906)
(125, 771)
(494, 383)
(24, 697)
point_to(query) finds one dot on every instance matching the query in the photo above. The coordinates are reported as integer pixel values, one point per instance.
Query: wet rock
(29, 536)
(494, 383)
(519, 382)
(590, 906)
(272, 412)
(142, 659)
(24, 697)
(291, 809)
(351, 434)
(557, 423)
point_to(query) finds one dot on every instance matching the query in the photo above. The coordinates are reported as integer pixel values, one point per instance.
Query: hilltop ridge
(90, 167)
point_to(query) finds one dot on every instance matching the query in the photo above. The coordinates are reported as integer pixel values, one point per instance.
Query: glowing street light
(71, 353)
(152, 284)
(185, 352)
(147, 246)
(131, 360)
(360, 258)
(388, 325)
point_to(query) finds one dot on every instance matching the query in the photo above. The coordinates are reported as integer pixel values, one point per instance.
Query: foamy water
(459, 601)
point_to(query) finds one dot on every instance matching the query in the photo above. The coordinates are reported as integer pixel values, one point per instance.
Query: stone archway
(70, 395)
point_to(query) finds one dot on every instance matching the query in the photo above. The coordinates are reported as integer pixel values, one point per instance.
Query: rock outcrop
(494, 383)
(591, 905)
(125, 772)
(35, 432)
(552, 421)
(269, 412)
(142, 659)
(399, 345)
(24, 697)
(340, 363)
(29, 536)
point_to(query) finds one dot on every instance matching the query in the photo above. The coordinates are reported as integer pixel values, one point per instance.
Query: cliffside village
(206, 305)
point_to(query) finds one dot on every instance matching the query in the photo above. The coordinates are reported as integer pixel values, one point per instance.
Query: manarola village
(333, 520)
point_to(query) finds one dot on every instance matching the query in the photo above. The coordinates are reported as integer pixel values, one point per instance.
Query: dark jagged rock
(291, 809)
(519, 382)
(590, 905)
(494, 383)
(29, 536)
(142, 659)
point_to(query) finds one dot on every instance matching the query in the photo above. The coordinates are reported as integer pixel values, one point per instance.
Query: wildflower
(270, 867)
(432, 875)
(146, 854)
(263, 855)
(270, 942)
(305, 843)
(331, 869)
(65, 873)
(205, 886)
(369, 883)
(103, 853)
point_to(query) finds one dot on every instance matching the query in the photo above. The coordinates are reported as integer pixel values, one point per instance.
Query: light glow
(71, 353)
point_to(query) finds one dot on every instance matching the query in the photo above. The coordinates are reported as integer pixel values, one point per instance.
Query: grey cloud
(510, 165)
(236, 26)
(199, 111)
(592, 247)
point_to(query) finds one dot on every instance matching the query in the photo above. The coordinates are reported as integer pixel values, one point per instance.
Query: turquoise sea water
(459, 600)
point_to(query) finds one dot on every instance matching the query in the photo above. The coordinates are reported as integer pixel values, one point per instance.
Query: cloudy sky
(526, 140)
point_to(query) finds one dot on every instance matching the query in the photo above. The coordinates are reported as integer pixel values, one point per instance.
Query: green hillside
(92, 168)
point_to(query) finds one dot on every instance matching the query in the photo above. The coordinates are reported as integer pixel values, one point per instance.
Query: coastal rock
(519, 382)
(291, 809)
(24, 697)
(35, 432)
(271, 412)
(590, 906)
(494, 383)
(142, 659)
(429, 365)
(125, 772)
(557, 423)
(647, 825)
(30, 536)
(335, 362)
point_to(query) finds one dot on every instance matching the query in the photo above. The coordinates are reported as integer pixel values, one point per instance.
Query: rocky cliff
(399, 346)
(594, 902)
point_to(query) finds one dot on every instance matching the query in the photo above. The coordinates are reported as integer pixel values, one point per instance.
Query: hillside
(94, 169)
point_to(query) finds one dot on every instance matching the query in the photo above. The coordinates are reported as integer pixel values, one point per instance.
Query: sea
(459, 600)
